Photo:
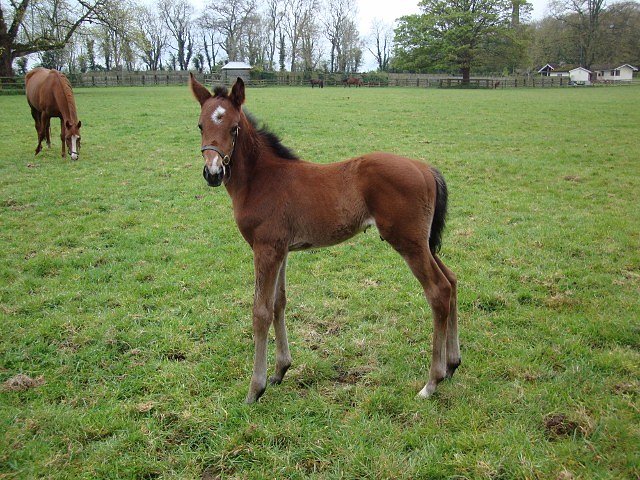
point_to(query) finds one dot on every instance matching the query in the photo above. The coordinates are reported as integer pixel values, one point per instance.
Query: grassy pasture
(125, 291)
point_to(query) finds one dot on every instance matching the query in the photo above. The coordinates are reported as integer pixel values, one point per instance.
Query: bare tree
(350, 57)
(116, 35)
(177, 16)
(17, 39)
(296, 13)
(382, 39)
(211, 40)
(339, 23)
(274, 15)
(230, 18)
(310, 50)
(334, 18)
(151, 37)
(255, 40)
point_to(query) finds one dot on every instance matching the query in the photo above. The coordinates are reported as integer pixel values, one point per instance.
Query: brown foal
(282, 204)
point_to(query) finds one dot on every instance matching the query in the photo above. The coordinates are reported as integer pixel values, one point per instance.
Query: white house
(580, 75)
(233, 70)
(623, 73)
(552, 71)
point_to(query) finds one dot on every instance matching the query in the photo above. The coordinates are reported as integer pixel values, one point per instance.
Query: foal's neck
(244, 158)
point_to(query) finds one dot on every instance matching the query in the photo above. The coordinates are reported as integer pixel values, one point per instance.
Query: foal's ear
(199, 91)
(79, 124)
(68, 125)
(237, 93)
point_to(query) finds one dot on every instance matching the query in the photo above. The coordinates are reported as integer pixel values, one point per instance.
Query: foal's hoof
(253, 397)
(427, 390)
(451, 368)
(275, 380)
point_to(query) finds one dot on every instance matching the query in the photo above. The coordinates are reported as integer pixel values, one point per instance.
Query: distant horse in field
(316, 82)
(49, 95)
(352, 81)
(283, 204)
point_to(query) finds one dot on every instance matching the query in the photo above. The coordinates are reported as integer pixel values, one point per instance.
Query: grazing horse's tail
(440, 213)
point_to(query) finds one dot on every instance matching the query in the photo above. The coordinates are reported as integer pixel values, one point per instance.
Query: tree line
(448, 36)
(498, 36)
(90, 35)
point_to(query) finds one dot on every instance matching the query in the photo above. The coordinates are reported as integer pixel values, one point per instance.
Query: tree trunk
(6, 61)
(465, 75)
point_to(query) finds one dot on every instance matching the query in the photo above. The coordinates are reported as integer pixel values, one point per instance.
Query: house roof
(611, 67)
(579, 68)
(556, 68)
(236, 66)
(548, 66)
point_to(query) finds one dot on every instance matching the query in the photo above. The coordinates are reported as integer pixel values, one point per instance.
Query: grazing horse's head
(219, 123)
(72, 138)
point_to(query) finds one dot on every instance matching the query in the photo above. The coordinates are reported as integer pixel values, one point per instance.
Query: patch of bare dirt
(559, 425)
(21, 382)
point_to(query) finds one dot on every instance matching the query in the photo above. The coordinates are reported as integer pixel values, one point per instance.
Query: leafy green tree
(451, 34)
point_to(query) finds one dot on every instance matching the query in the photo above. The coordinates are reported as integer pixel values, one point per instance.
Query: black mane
(271, 140)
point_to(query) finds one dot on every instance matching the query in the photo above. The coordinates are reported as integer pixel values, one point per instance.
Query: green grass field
(126, 292)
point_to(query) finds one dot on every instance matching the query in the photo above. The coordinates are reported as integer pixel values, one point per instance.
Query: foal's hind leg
(283, 356)
(48, 132)
(438, 291)
(453, 343)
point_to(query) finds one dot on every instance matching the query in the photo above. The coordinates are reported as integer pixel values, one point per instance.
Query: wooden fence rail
(11, 85)
(15, 85)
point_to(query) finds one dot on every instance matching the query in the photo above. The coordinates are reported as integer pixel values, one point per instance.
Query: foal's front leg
(267, 262)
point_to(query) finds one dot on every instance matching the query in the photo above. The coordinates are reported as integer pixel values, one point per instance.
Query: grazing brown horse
(282, 204)
(49, 95)
(316, 82)
(352, 81)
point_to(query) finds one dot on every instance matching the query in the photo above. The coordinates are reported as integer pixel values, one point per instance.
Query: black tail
(440, 214)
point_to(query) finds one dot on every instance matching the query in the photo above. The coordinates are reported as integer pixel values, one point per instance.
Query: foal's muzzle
(214, 180)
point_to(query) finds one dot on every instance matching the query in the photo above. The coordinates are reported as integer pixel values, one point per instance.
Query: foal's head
(72, 138)
(219, 122)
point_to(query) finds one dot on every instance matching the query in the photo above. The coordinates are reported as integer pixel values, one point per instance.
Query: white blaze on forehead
(217, 115)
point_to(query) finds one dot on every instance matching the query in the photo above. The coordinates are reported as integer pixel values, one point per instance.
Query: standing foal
(282, 204)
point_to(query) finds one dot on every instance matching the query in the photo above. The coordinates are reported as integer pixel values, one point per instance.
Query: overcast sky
(389, 10)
